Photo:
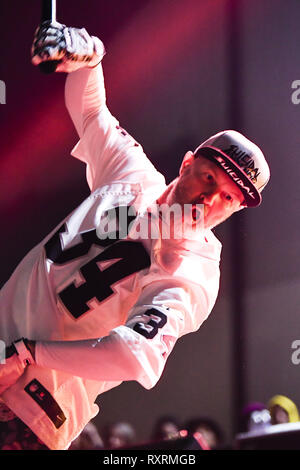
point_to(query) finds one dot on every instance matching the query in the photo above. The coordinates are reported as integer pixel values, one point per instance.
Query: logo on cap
(244, 160)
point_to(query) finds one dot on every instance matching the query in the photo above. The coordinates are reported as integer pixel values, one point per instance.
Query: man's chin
(210, 224)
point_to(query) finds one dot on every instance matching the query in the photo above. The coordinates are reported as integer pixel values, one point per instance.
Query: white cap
(241, 159)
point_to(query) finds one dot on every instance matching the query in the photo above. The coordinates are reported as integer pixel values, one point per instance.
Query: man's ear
(187, 160)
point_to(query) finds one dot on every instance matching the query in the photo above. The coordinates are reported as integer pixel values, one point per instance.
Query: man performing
(98, 302)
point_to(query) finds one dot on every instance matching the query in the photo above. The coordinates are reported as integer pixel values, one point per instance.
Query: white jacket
(102, 310)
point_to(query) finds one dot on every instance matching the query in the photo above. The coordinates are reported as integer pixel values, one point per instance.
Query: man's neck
(165, 196)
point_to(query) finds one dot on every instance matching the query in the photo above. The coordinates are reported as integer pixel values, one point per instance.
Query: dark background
(177, 71)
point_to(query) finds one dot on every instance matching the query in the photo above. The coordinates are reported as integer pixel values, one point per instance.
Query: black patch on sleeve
(46, 401)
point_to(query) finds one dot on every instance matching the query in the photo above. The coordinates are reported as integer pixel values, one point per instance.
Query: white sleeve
(109, 152)
(138, 350)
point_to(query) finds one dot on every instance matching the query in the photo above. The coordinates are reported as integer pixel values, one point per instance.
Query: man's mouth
(196, 214)
(198, 211)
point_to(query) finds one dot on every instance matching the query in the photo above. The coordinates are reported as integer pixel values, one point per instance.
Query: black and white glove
(73, 48)
(17, 358)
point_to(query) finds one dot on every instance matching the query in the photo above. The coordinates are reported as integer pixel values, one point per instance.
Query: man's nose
(209, 197)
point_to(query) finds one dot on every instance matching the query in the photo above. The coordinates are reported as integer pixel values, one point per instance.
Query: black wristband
(10, 351)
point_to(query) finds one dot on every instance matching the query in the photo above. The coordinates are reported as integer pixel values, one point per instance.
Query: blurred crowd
(122, 434)
(256, 416)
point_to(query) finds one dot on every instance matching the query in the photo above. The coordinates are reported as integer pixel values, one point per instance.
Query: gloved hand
(17, 358)
(74, 48)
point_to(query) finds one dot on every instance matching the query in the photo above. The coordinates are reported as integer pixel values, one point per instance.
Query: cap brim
(244, 183)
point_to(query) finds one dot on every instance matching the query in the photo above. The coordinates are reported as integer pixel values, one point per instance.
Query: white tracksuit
(102, 310)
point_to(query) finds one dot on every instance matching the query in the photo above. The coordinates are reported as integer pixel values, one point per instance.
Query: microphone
(48, 14)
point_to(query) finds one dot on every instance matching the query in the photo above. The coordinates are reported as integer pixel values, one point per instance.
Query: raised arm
(109, 152)
(85, 96)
